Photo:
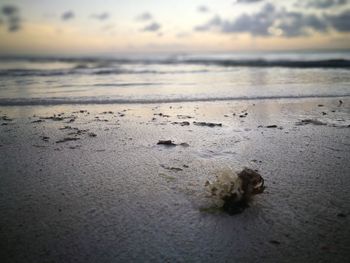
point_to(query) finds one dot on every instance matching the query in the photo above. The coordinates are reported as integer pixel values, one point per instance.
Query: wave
(325, 64)
(81, 71)
(116, 66)
(52, 73)
(87, 101)
(142, 84)
(330, 63)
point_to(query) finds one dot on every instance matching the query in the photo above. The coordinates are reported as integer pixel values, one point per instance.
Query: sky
(142, 26)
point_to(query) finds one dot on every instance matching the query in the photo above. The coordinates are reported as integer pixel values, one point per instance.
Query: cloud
(101, 17)
(9, 10)
(144, 17)
(11, 18)
(267, 22)
(297, 24)
(203, 9)
(247, 1)
(68, 15)
(216, 21)
(340, 22)
(153, 27)
(256, 24)
(14, 20)
(322, 4)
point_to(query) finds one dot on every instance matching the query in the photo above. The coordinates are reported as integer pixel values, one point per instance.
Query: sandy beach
(88, 183)
(186, 131)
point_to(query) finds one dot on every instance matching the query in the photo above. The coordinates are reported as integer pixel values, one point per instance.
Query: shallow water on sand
(42, 81)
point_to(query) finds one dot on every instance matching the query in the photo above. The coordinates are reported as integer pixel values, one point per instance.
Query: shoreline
(15, 102)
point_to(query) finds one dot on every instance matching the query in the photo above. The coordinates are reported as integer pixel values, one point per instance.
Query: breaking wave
(103, 66)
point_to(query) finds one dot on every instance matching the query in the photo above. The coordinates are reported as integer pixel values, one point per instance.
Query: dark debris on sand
(171, 143)
(182, 117)
(171, 168)
(166, 142)
(59, 117)
(310, 121)
(5, 118)
(91, 134)
(341, 215)
(207, 124)
(68, 139)
(81, 111)
(45, 138)
(273, 126)
(162, 115)
(37, 121)
(183, 123)
(243, 115)
(274, 242)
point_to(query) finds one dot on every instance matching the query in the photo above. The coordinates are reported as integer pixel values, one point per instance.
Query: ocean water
(172, 78)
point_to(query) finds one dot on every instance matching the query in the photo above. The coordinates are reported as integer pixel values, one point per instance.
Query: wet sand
(89, 183)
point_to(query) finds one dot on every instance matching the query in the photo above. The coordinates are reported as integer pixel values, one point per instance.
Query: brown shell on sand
(236, 190)
(252, 183)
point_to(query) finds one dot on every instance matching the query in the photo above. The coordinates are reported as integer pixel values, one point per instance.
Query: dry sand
(94, 186)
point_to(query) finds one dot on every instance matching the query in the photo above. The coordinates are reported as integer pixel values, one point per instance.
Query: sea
(157, 78)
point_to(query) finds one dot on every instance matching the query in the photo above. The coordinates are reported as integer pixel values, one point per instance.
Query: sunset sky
(107, 26)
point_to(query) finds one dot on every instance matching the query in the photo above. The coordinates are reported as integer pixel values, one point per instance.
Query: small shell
(227, 184)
